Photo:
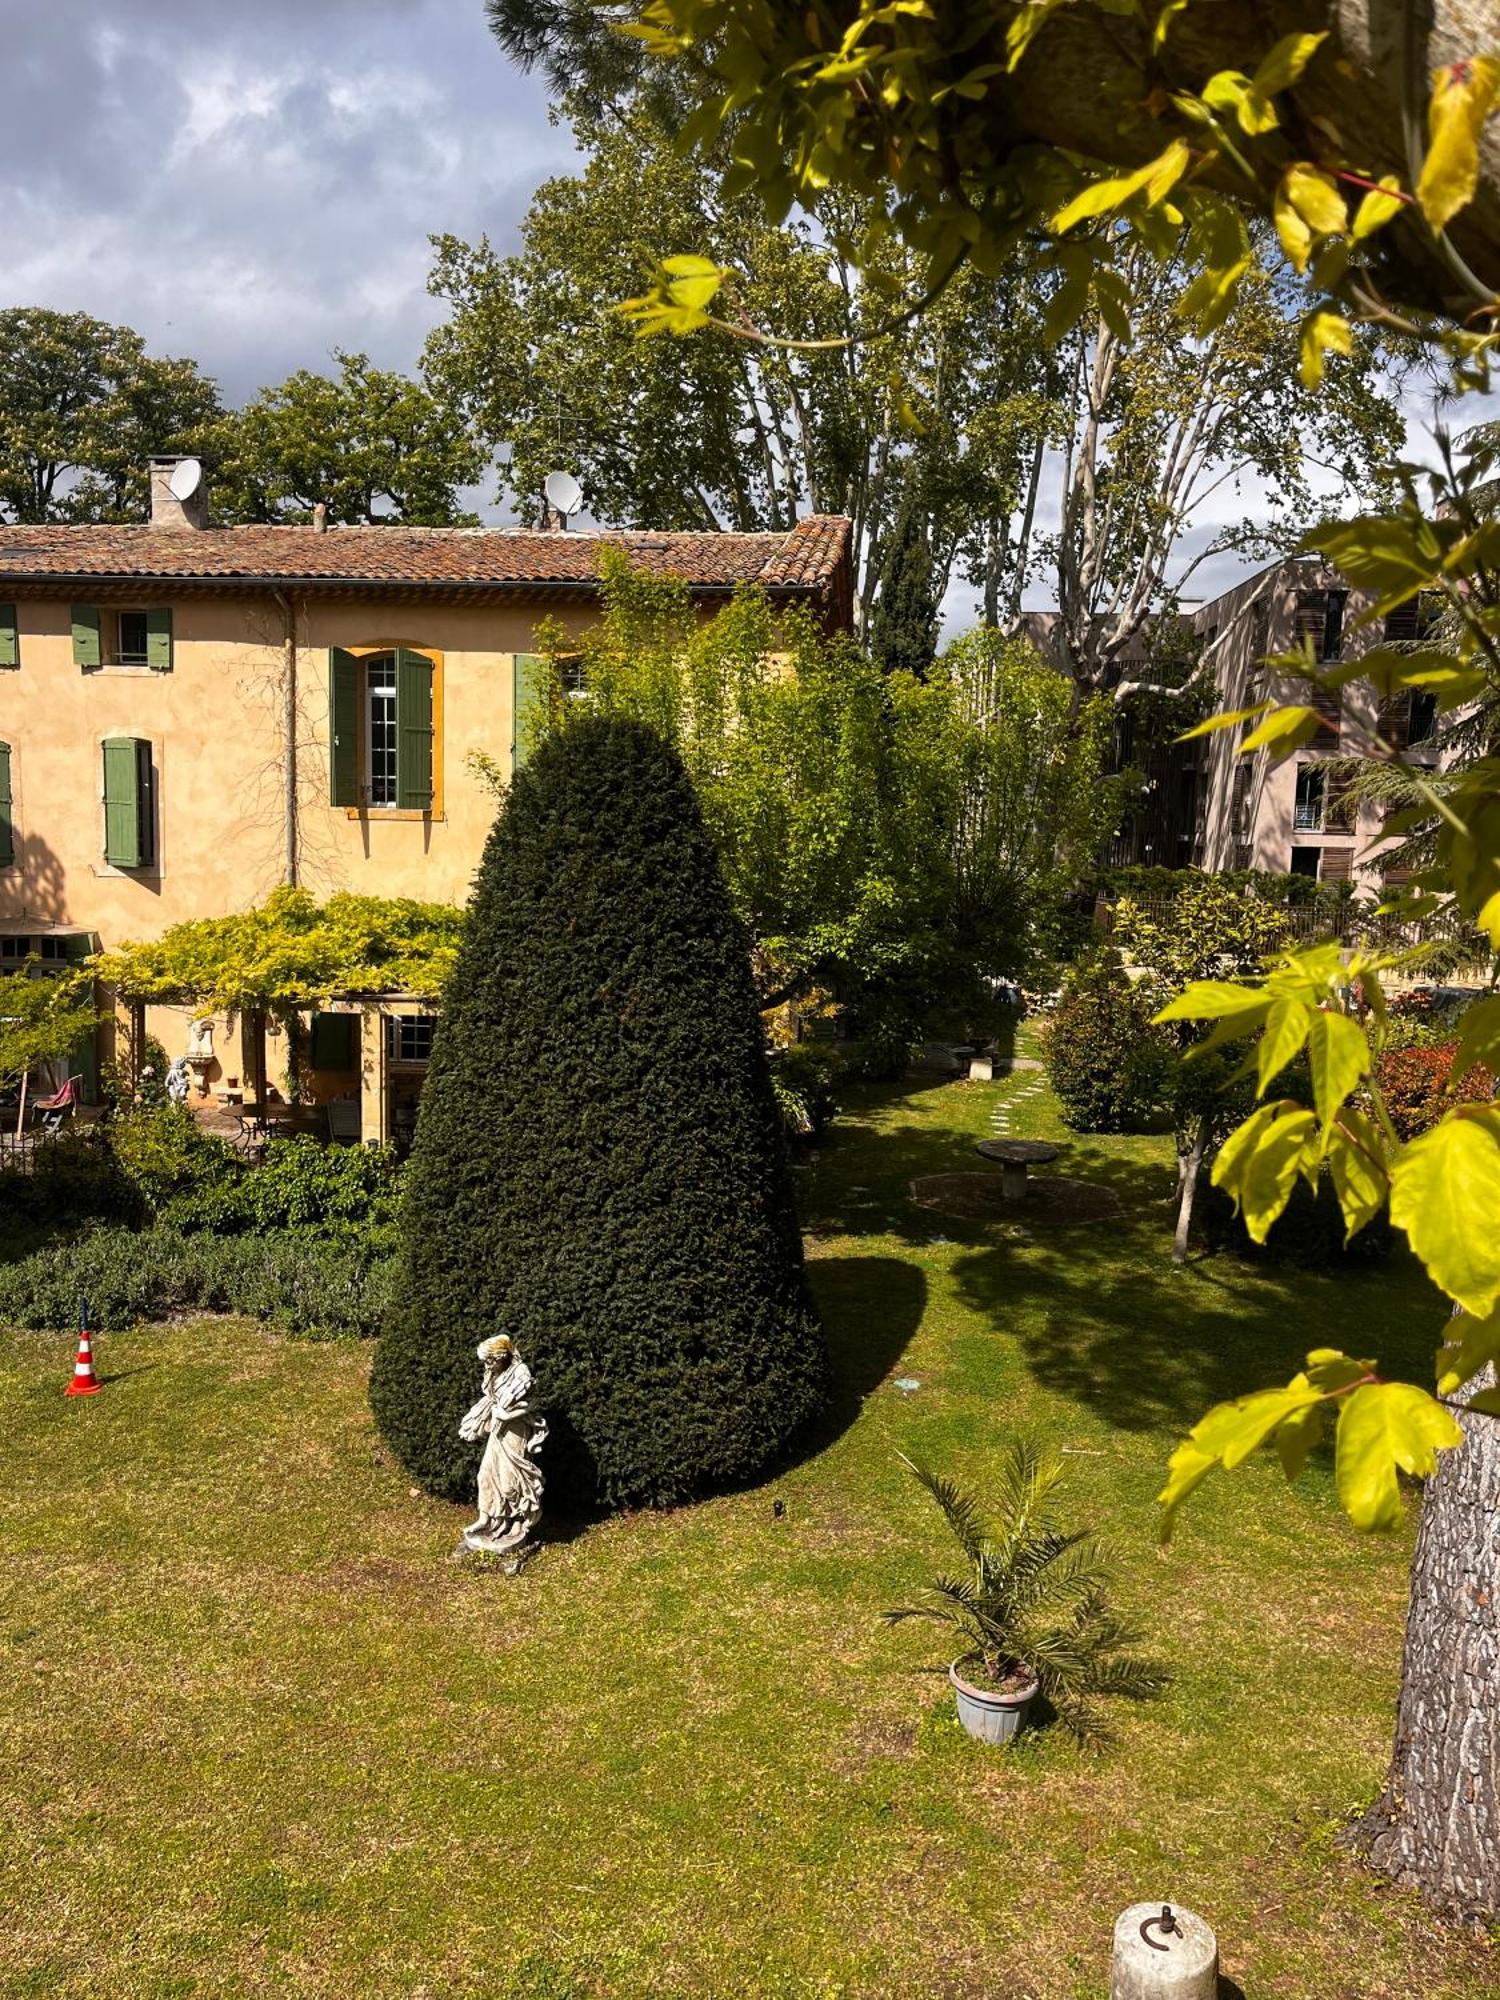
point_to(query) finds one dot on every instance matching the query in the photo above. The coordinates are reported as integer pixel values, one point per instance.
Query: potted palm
(1032, 1607)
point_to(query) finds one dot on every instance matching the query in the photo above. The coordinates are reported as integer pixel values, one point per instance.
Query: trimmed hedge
(599, 1169)
(322, 1291)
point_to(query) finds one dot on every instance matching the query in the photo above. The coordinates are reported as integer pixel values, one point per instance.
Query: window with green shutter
(129, 816)
(383, 751)
(7, 823)
(10, 648)
(413, 732)
(86, 649)
(528, 684)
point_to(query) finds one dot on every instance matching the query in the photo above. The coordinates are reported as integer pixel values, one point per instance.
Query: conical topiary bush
(598, 1167)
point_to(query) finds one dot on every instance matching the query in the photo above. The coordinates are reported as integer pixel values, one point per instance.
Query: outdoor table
(1015, 1156)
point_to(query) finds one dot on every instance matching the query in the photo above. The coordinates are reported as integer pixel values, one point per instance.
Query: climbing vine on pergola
(288, 954)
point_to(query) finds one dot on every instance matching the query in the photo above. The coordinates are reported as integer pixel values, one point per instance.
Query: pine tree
(598, 1168)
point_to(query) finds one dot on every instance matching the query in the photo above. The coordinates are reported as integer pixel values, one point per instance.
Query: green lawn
(263, 1737)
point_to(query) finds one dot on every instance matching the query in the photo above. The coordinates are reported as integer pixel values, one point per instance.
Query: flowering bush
(1416, 1083)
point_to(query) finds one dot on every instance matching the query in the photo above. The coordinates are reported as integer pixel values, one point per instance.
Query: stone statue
(510, 1479)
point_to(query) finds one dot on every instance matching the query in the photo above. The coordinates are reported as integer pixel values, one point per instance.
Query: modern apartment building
(1290, 816)
(1203, 804)
(191, 715)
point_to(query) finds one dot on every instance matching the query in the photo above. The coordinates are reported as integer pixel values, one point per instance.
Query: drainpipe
(289, 721)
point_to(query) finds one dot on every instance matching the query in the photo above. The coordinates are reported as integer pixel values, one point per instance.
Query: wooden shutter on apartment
(10, 651)
(86, 652)
(343, 727)
(7, 824)
(413, 732)
(1337, 864)
(127, 801)
(529, 681)
(159, 641)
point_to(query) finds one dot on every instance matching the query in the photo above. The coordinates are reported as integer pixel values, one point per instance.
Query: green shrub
(163, 1153)
(599, 1169)
(318, 1290)
(804, 1077)
(1111, 1070)
(299, 1185)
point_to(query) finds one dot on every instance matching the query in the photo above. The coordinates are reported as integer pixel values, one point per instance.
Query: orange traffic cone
(84, 1382)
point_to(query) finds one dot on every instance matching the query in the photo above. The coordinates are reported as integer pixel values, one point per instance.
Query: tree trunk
(1189, 1166)
(1436, 1826)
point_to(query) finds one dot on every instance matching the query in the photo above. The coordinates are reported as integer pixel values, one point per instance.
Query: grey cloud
(254, 184)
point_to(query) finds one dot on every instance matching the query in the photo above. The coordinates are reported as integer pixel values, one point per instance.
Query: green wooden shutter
(10, 651)
(127, 802)
(7, 825)
(334, 1042)
(159, 641)
(527, 689)
(343, 727)
(86, 651)
(413, 732)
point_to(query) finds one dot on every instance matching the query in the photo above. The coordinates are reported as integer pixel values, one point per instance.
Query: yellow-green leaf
(1271, 1170)
(1445, 1193)
(1212, 1000)
(1463, 95)
(1283, 731)
(1340, 1058)
(1227, 1436)
(1322, 332)
(1382, 1427)
(1157, 178)
(1296, 237)
(1356, 1162)
(1164, 19)
(1227, 720)
(1287, 1025)
(1315, 196)
(1281, 68)
(1476, 1345)
(1377, 208)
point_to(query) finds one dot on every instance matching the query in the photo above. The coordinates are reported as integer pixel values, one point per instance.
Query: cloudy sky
(253, 182)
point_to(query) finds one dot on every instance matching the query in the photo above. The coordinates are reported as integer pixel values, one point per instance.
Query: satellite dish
(186, 478)
(563, 492)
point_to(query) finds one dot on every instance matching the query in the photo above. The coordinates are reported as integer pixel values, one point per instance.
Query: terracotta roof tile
(806, 558)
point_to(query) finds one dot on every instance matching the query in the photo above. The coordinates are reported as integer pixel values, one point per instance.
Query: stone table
(1015, 1156)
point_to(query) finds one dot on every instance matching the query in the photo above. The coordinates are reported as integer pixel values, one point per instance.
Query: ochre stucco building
(190, 716)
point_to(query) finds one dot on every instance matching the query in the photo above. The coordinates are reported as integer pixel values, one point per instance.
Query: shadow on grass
(1096, 1310)
(1100, 1315)
(870, 1307)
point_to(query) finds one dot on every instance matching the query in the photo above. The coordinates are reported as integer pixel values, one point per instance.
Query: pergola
(286, 956)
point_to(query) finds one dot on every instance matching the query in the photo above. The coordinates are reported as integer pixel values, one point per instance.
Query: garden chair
(52, 1112)
(343, 1120)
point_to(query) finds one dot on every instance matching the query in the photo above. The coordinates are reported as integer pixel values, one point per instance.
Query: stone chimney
(167, 511)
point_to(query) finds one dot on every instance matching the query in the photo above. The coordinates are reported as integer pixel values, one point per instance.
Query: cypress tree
(598, 1168)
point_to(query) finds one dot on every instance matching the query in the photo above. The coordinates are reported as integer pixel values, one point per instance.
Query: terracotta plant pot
(986, 1713)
